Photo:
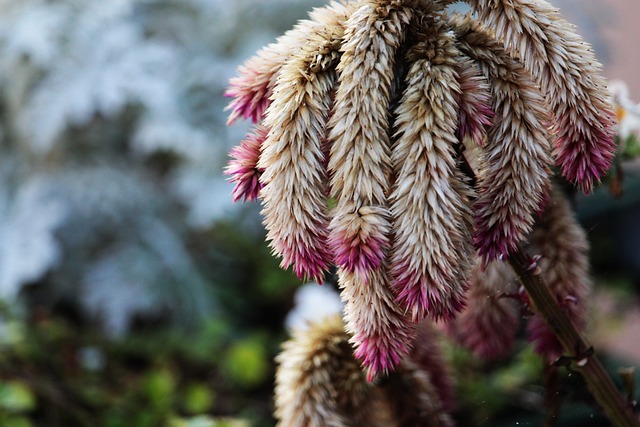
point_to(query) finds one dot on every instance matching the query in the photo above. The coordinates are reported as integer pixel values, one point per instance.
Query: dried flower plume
(566, 70)
(371, 112)
(430, 201)
(516, 162)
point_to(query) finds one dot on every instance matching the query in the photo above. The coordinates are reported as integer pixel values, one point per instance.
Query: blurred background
(132, 292)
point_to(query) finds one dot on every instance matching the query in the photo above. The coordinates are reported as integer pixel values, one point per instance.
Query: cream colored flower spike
(293, 159)
(432, 250)
(381, 332)
(566, 69)
(320, 384)
(516, 168)
(312, 367)
(359, 162)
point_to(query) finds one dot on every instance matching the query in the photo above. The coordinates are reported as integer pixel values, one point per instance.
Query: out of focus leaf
(16, 422)
(246, 362)
(159, 387)
(198, 398)
(16, 396)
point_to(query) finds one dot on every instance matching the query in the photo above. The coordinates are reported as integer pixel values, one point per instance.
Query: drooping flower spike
(359, 163)
(489, 324)
(292, 155)
(516, 173)
(381, 332)
(360, 168)
(566, 69)
(369, 107)
(430, 203)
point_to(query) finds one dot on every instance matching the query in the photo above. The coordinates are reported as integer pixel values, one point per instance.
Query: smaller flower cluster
(489, 324)
(319, 383)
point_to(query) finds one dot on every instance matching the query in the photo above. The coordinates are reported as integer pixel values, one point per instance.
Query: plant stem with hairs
(619, 411)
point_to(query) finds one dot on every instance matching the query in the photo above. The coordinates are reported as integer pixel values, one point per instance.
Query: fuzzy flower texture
(400, 142)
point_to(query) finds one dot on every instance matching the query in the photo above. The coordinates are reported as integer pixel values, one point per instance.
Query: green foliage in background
(57, 375)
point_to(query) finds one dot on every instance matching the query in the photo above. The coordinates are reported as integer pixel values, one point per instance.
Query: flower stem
(619, 411)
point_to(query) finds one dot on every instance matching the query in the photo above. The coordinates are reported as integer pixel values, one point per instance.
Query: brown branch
(619, 411)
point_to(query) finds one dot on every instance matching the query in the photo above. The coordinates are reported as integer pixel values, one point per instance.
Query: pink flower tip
(306, 251)
(359, 241)
(585, 160)
(492, 245)
(356, 255)
(420, 299)
(495, 238)
(308, 264)
(380, 355)
(243, 167)
(250, 99)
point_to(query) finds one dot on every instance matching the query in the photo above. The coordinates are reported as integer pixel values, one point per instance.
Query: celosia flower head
(367, 107)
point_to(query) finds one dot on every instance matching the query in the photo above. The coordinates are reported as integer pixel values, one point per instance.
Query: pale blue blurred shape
(91, 92)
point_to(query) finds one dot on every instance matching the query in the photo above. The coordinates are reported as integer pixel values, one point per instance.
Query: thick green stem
(586, 362)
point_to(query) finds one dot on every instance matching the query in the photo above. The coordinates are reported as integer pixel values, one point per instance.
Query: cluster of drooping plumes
(370, 110)
(359, 161)
(564, 267)
(319, 383)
